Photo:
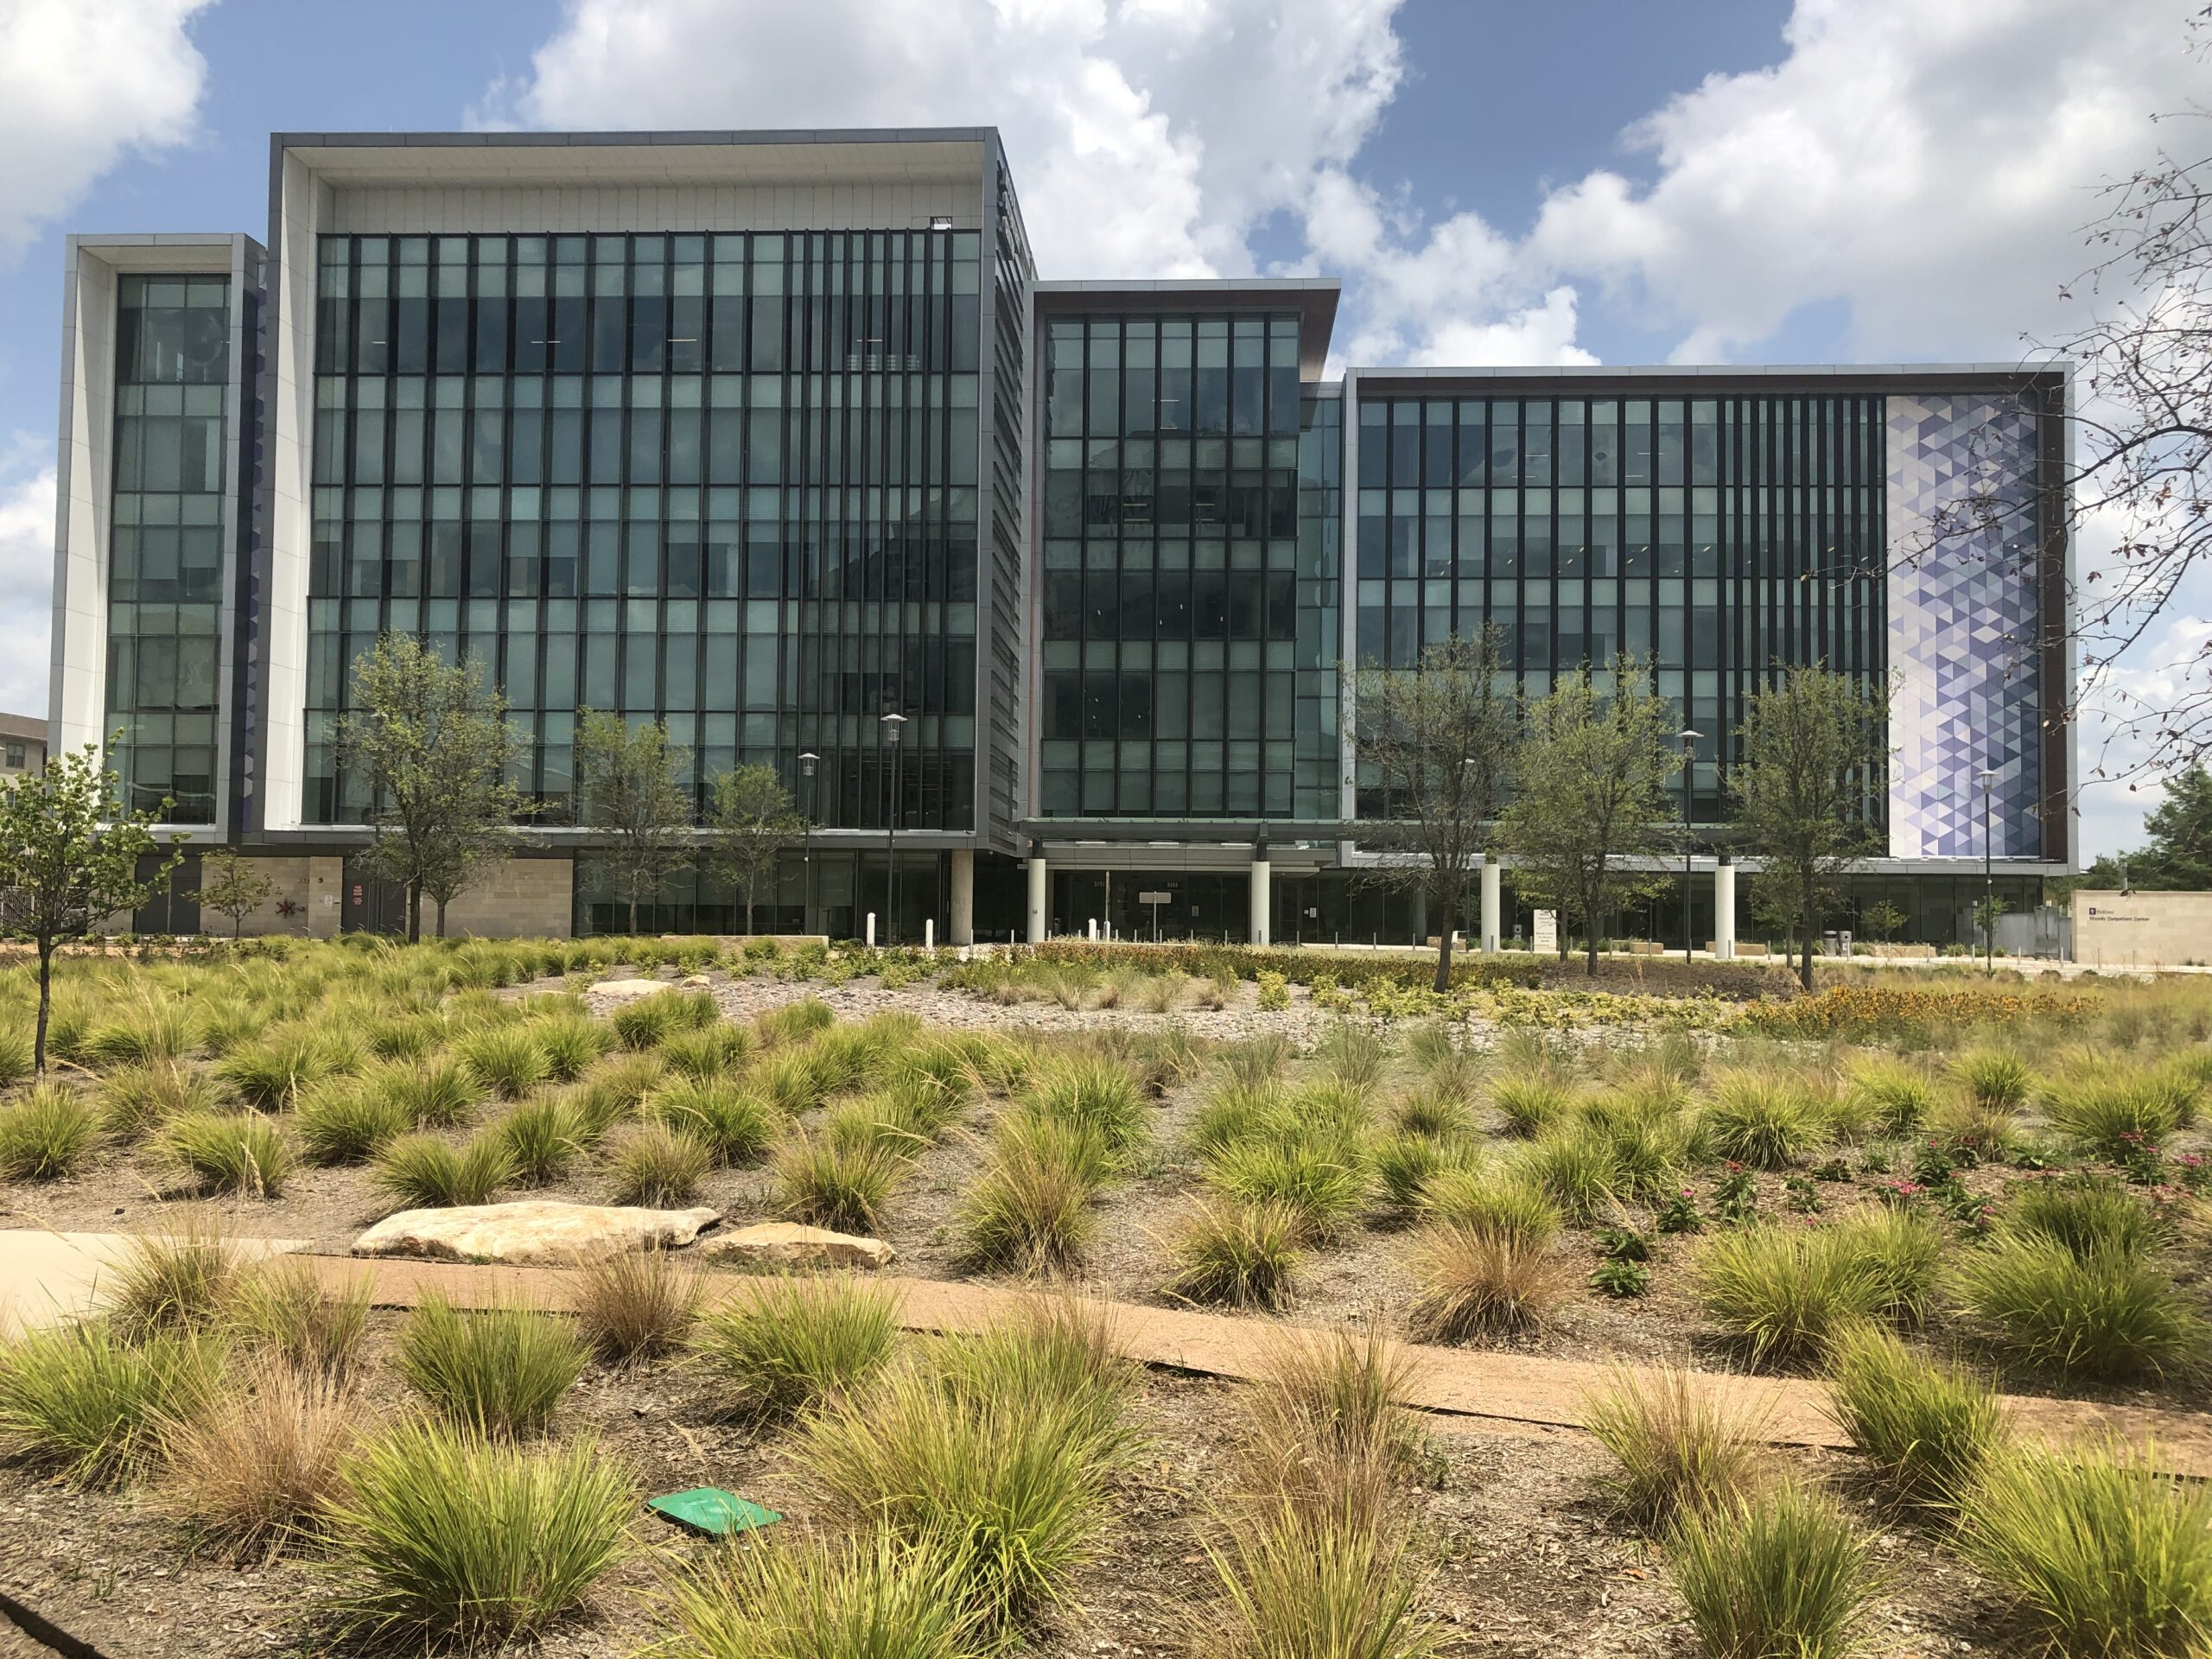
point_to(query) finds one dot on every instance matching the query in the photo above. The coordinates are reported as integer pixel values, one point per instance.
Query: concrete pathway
(47, 1277)
(1481, 1390)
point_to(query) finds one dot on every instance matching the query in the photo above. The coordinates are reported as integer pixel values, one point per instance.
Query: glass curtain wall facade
(727, 480)
(1185, 617)
(164, 606)
(1718, 538)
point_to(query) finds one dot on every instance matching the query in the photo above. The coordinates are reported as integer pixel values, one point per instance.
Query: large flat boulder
(533, 1232)
(623, 990)
(787, 1244)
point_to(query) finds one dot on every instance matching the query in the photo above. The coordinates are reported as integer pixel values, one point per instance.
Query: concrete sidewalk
(1483, 1391)
(47, 1277)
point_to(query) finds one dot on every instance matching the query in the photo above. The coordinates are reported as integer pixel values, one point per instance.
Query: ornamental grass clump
(230, 1151)
(440, 1536)
(571, 1043)
(789, 1078)
(2103, 1554)
(1300, 1581)
(1094, 1092)
(1237, 1254)
(2105, 1316)
(1477, 1285)
(81, 1401)
(2112, 1110)
(1903, 1252)
(269, 1075)
(182, 1278)
(348, 1120)
(498, 1370)
(138, 1100)
(422, 1171)
(1003, 1447)
(506, 1060)
(1498, 1204)
(1927, 1425)
(1678, 1446)
(1324, 1180)
(1405, 1164)
(1574, 1168)
(709, 1051)
(870, 1596)
(47, 1136)
(543, 1138)
(282, 1308)
(793, 1022)
(1530, 1104)
(259, 1468)
(637, 1305)
(1993, 1079)
(792, 1343)
(1030, 1210)
(1779, 1571)
(642, 1022)
(1326, 1424)
(1763, 1119)
(2088, 1214)
(817, 1183)
(1893, 1095)
(1781, 1294)
(735, 1125)
(657, 1166)
(435, 1094)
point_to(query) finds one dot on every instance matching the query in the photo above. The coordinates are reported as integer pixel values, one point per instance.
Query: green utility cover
(709, 1509)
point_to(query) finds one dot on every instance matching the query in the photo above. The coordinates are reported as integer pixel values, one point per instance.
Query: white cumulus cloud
(82, 82)
(26, 591)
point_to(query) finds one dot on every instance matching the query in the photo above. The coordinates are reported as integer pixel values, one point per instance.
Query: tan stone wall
(2142, 929)
(313, 883)
(522, 898)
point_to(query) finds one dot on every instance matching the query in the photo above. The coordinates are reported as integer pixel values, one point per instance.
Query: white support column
(1040, 890)
(1723, 909)
(1262, 902)
(963, 931)
(1492, 907)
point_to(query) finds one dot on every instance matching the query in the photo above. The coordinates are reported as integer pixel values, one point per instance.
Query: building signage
(1545, 937)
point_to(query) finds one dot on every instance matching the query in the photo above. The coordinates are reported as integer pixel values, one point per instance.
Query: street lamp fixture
(1989, 883)
(895, 728)
(807, 762)
(1688, 739)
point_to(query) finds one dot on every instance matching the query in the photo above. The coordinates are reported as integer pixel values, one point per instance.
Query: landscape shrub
(1240, 1255)
(230, 1151)
(1927, 1425)
(2105, 1316)
(637, 1305)
(571, 1044)
(270, 1074)
(2088, 1214)
(1677, 1447)
(1530, 1105)
(1324, 1182)
(259, 1467)
(435, 1094)
(794, 1021)
(79, 1399)
(47, 1136)
(709, 1051)
(1893, 1094)
(1781, 1294)
(2103, 1555)
(2109, 1112)
(1572, 1166)
(498, 1370)
(1300, 1581)
(420, 1172)
(1902, 1251)
(442, 1536)
(1404, 1164)
(1477, 1284)
(1094, 1092)
(138, 1100)
(1993, 1079)
(1780, 1571)
(792, 1343)
(657, 1166)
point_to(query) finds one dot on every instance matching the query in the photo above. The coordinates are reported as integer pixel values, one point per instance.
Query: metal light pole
(894, 726)
(1988, 883)
(807, 762)
(1688, 738)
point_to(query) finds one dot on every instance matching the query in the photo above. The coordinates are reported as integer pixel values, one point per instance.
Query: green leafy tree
(1436, 739)
(230, 886)
(1881, 919)
(2178, 858)
(1814, 757)
(750, 820)
(626, 783)
(432, 741)
(69, 859)
(1589, 781)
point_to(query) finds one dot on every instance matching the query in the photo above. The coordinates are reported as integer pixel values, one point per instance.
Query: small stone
(696, 981)
(536, 1232)
(787, 1244)
(629, 988)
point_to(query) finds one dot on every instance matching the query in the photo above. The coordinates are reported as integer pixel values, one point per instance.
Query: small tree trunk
(238, 925)
(1589, 946)
(633, 912)
(441, 918)
(1805, 962)
(749, 927)
(1444, 950)
(414, 913)
(45, 1002)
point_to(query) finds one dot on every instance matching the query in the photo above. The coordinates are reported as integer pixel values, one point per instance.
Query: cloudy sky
(1582, 182)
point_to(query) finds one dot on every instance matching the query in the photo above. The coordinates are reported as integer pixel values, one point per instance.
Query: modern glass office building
(771, 435)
